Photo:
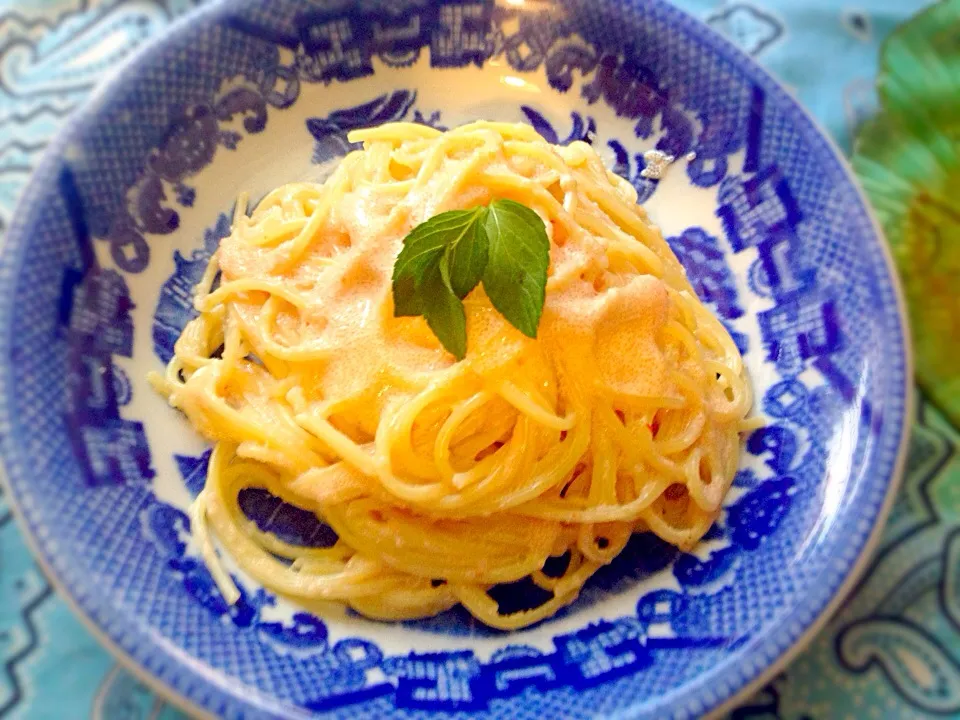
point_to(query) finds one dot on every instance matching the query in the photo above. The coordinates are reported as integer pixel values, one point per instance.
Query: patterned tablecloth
(894, 648)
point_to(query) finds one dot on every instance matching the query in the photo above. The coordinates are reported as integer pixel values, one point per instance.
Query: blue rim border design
(198, 689)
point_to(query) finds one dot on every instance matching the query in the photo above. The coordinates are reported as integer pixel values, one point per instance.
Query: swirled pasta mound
(446, 480)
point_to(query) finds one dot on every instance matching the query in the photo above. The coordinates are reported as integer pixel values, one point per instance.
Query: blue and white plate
(132, 198)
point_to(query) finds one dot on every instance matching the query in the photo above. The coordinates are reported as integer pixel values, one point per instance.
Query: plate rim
(254, 699)
(864, 558)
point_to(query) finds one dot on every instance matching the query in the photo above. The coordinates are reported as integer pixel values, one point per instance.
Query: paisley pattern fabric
(893, 650)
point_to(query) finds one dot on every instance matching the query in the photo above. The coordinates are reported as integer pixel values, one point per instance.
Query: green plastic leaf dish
(908, 159)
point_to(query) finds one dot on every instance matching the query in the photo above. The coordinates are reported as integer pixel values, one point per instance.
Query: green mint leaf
(504, 246)
(518, 253)
(443, 311)
(423, 249)
(466, 257)
(406, 301)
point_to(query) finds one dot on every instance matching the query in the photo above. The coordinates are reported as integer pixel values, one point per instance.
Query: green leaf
(406, 301)
(423, 249)
(443, 311)
(908, 159)
(515, 278)
(504, 245)
(466, 257)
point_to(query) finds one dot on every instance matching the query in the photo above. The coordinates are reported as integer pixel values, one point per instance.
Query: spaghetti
(445, 480)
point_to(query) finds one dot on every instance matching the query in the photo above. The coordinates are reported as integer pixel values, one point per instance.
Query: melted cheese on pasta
(445, 479)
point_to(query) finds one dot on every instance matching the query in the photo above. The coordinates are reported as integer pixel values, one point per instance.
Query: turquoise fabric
(886, 654)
